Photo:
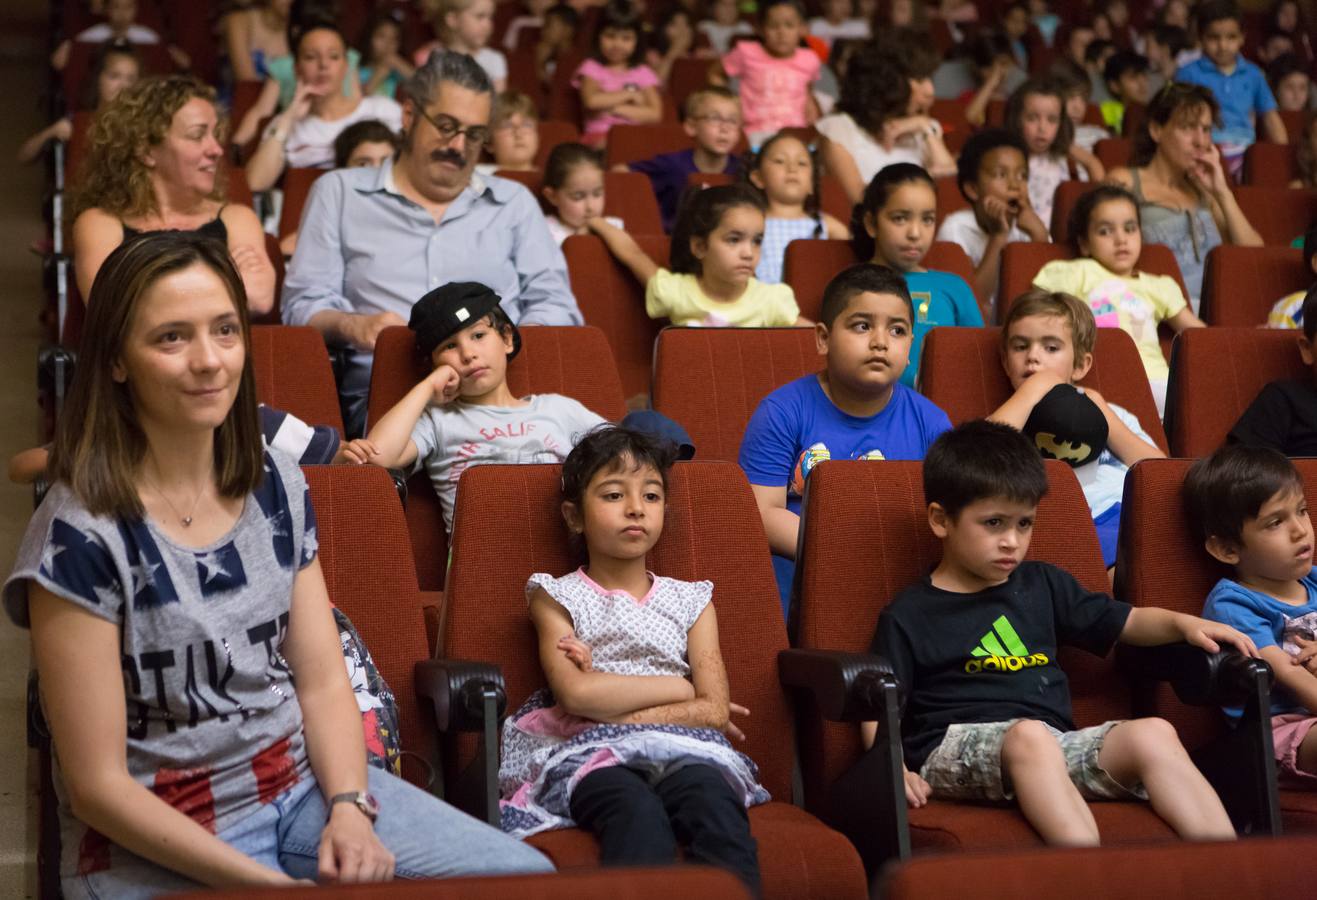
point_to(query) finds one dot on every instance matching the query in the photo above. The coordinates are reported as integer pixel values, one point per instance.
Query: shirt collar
(500, 190)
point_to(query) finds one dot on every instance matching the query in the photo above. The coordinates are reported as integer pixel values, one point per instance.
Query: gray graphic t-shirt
(451, 438)
(214, 727)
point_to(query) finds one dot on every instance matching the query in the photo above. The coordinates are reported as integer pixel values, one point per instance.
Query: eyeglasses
(719, 120)
(449, 128)
(511, 125)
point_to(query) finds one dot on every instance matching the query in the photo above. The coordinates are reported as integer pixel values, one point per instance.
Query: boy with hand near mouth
(993, 175)
(974, 646)
(1246, 505)
(856, 408)
(463, 413)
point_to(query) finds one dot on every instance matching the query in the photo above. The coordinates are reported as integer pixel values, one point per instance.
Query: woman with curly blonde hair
(155, 162)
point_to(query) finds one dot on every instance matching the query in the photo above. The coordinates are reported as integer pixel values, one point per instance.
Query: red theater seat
(1278, 214)
(293, 374)
(1242, 284)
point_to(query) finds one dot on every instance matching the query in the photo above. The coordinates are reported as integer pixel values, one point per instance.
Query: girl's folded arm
(709, 709)
(594, 695)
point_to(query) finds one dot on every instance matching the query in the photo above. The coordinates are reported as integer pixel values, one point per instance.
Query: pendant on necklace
(187, 520)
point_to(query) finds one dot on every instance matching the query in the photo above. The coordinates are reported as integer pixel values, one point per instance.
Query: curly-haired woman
(882, 118)
(154, 162)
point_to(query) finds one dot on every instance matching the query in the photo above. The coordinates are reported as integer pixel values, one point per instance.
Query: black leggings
(639, 824)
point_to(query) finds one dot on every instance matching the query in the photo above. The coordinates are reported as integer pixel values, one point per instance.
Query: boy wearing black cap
(463, 413)
(1046, 346)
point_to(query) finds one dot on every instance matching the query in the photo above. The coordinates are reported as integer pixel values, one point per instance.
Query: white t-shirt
(311, 141)
(494, 63)
(99, 34)
(720, 36)
(961, 227)
(870, 156)
(853, 29)
(451, 438)
(1103, 479)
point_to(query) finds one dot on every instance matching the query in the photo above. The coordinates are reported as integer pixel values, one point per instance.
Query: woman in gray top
(171, 582)
(1184, 196)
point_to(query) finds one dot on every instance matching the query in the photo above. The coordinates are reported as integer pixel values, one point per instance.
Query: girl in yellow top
(1105, 226)
(715, 249)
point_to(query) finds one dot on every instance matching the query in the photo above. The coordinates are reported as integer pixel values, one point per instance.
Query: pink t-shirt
(773, 91)
(597, 124)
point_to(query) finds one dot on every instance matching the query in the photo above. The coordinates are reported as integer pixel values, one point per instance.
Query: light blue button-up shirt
(364, 248)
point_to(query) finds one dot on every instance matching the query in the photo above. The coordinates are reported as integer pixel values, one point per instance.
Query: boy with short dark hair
(1126, 75)
(1240, 87)
(993, 175)
(712, 118)
(1246, 505)
(1164, 45)
(856, 408)
(974, 647)
(1047, 342)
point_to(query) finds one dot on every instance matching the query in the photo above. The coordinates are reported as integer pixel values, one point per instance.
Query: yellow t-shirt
(679, 298)
(1136, 304)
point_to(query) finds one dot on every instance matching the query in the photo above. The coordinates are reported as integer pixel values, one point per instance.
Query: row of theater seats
(814, 683)
(711, 380)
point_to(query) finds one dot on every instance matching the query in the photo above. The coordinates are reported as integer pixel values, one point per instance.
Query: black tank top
(213, 229)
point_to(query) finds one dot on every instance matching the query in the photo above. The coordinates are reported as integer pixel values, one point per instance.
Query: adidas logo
(1001, 650)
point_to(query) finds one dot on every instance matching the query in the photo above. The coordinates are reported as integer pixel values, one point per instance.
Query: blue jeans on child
(427, 837)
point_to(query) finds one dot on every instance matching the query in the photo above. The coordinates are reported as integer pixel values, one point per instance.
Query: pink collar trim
(604, 592)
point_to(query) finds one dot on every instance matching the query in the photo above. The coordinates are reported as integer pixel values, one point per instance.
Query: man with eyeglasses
(373, 241)
(712, 118)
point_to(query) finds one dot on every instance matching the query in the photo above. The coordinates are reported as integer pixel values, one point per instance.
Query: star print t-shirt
(213, 723)
(796, 427)
(990, 656)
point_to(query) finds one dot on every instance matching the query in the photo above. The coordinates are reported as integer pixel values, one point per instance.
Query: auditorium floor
(22, 42)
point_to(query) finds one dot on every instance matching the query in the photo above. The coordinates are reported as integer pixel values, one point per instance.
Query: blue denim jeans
(428, 838)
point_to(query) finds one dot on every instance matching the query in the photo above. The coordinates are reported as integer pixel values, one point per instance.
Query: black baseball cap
(448, 309)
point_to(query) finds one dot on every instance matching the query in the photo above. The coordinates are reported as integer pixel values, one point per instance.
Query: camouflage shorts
(967, 764)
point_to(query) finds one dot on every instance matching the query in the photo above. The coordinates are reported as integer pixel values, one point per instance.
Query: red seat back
(1215, 374)
(611, 299)
(809, 265)
(552, 133)
(711, 379)
(296, 186)
(1067, 195)
(1241, 284)
(629, 143)
(865, 538)
(961, 372)
(949, 197)
(293, 373)
(1113, 152)
(369, 574)
(688, 75)
(1270, 165)
(553, 360)
(155, 61)
(494, 552)
(1278, 214)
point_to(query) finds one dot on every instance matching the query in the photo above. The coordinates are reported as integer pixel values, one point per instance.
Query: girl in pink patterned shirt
(775, 72)
(616, 87)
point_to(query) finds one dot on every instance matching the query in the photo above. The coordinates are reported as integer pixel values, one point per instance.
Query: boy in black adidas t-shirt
(987, 711)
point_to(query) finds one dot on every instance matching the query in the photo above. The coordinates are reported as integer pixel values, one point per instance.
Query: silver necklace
(186, 520)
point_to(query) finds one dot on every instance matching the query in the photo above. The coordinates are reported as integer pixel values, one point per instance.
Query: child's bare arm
(596, 99)
(1015, 411)
(1092, 165)
(917, 790)
(835, 229)
(1128, 446)
(1150, 626)
(594, 695)
(625, 249)
(710, 707)
(643, 107)
(780, 523)
(392, 435)
(1293, 675)
(1185, 318)
(1274, 125)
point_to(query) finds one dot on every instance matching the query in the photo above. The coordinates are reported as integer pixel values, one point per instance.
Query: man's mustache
(449, 156)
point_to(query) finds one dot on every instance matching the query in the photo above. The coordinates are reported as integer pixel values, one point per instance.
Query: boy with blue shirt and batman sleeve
(856, 408)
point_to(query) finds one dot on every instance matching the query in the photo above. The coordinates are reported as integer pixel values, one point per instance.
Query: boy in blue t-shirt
(1246, 505)
(1240, 86)
(856, 408)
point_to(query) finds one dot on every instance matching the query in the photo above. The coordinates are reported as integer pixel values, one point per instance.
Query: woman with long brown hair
(172, 585)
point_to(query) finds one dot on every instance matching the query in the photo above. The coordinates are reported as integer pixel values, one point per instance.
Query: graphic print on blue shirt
(86, 569)
(274, 503)
(220, 571)
(152, 585)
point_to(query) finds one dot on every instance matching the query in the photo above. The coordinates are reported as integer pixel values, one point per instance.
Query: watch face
(369, 805)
